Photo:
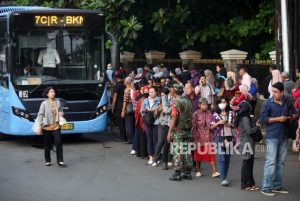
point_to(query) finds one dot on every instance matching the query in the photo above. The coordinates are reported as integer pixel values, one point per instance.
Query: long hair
(217, 109)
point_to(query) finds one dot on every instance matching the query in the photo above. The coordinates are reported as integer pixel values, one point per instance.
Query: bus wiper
(37, 87)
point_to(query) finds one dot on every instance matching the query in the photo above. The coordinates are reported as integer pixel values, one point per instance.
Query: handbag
(148, 117)
(257, 136)
(225, 140)
(62, 121)
(37, 129)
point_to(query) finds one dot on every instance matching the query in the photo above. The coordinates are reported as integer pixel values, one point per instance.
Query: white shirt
(49, 58)
(247, 80)
(205, 91)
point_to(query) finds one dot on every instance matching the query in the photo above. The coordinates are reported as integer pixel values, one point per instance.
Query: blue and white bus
(63, 48)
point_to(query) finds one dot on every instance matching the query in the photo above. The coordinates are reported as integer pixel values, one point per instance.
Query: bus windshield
(58, 56)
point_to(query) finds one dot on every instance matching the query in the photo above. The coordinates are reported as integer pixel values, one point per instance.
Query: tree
(209, 26)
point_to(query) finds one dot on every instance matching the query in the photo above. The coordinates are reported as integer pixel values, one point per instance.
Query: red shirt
(237, 101)
(138, 117)
(296, 93)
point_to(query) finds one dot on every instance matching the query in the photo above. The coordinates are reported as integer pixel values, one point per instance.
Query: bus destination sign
(55, 20)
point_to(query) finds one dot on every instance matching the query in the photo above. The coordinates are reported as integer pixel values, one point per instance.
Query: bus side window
(3, 68)
(3, 45)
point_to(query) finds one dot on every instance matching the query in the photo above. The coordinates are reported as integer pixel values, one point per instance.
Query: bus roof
(5, 10)
(8, 9)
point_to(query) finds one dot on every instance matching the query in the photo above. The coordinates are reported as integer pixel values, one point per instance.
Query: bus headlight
(22, 113)
(100, 110)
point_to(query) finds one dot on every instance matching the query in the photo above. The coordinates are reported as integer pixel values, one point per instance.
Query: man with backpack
(251, 83)
(180, 134)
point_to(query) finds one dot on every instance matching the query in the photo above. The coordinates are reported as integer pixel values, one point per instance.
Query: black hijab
(244, 109)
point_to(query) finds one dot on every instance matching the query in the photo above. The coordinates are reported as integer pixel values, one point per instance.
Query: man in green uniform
(180, 134)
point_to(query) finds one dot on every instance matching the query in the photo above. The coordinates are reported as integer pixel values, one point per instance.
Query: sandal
(254, 188)
(249, 189)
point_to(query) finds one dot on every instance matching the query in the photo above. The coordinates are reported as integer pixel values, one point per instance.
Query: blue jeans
(273, 172)
(223, 160)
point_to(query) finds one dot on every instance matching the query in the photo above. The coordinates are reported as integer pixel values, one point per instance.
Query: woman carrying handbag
(48, 124)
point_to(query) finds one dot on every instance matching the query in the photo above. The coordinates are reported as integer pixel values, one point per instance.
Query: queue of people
(159, 110)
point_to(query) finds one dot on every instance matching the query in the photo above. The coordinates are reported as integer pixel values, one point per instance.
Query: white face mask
(222, 106)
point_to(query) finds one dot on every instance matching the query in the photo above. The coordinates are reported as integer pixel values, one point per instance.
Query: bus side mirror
(4, 81)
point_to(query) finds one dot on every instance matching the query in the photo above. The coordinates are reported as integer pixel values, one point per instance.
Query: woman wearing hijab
(141, 148)
(209, 77)
(231, 85)
(178, 71)
(138, 76)
(247, 145)
(276, 77)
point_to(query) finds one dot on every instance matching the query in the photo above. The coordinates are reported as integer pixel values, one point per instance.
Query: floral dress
(201, 133)
(202, 136)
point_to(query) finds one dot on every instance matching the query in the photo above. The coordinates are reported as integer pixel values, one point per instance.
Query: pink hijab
(276, 76)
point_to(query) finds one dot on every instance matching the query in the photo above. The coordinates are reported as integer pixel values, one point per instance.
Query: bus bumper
(23, 127)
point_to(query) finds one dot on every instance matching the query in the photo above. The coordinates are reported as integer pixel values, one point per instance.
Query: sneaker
(132, 152)
(170, 164)
(62, 164)
(150, 162)
(281, 190)
(225, 182)
(216, 174)
(154, 164)
(198, 174)
(268, 192)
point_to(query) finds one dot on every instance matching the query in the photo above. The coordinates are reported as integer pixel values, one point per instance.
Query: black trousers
(162, 143)
(129, 124)
(141, 148)
(247, 179)
(48, 136)
(253, 105)
(50, 71)
(121, 123)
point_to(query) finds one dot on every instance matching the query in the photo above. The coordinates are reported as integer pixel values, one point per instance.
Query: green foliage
(174, 25)
(108, 44)
(130, 29)
(242, 27)
(119, 21)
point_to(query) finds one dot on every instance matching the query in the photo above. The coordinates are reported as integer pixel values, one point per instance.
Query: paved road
(101, 169)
